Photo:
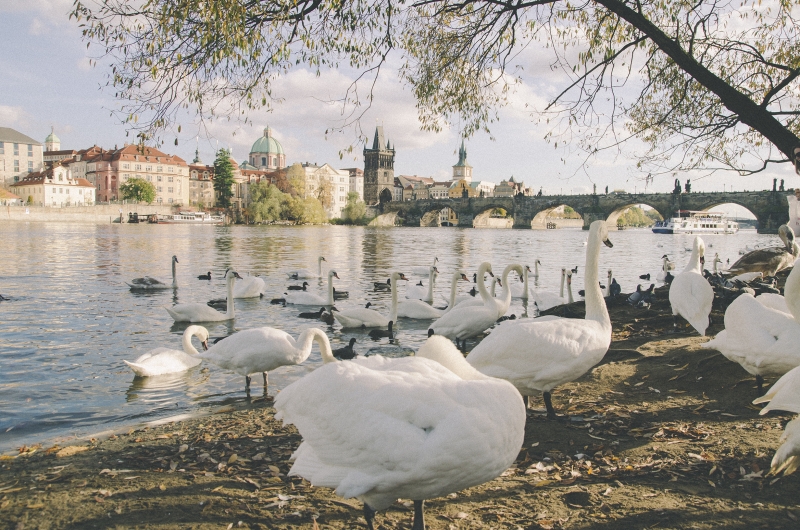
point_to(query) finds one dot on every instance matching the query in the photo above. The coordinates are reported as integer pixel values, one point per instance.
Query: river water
(71, 319)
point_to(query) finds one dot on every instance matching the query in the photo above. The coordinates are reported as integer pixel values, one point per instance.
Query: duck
(305, 274)
(536, 355)
(547, 299)
(345, 353)
(249, 287)
(417, 427)
(668, 277)
(644, 276)
(769, 260)
(382, 333)
(614, 289)
(690, 294)
(309, 298)
(202, 312)
(362, 317)
(263, 349)
(764, 341)
(206, 276)
(162, 361)
(302, 287)
(149, 283)
(340, 295)
(666, 267)
(420, 292)
(312, 314)
(641, 298)
(575, 270)
(424, 271)
(383, 286)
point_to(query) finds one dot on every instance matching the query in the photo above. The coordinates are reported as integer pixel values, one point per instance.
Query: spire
(378, 142)
(197, 157)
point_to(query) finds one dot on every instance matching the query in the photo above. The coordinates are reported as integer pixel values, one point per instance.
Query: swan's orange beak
(464, 277)
(205, 345)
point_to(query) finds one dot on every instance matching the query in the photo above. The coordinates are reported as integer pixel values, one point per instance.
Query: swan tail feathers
(308, 465)
(138, 369)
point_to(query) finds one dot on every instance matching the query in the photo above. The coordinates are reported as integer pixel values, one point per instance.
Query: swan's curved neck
(791, 292)
(319, 267)
(307, 338)
(493, 290)
(393, 313)
(505, 296)
(190, 332)
(174, 276)
(563, 277)
(595, 304)
(525, 283)
(694, 260)
(230, 311)
(570, 299)
(453, 289)
(431, 280)
(488, 300)
(330, 288)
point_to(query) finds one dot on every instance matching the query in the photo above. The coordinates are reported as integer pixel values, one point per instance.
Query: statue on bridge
(781, 188)
(540, 192)
(774, 184)
(688, 186)
(594, 189)
(606, 190)
(677, 189)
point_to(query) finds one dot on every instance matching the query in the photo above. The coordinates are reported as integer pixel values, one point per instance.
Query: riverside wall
(98, 214)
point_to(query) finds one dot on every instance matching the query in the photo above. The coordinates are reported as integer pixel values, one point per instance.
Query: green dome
(52, 138)
(267, 144)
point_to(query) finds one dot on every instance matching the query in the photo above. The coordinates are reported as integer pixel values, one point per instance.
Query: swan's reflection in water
(160, 390)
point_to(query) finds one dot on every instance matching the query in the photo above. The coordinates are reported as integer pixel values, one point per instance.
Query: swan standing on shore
(203, 313)
(305, 274)
(769, 260)
(417, 427)
(309, 298)
(264, 349)
(362, 317)
(785, 395)
(162, 361)
(537, 355)
(690, 293)
(148, 282)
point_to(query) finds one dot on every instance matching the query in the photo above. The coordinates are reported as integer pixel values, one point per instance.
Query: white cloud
(13, 116)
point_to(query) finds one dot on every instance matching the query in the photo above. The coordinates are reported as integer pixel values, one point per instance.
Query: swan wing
(147, 282)
(162, 361)
(302, 274)
(465, 322)
(304, 298)
(783, 394)
(195, 313)
(249, 287)
(691, 297)
(360, 317)
(253, 350)
(773, 301)
(380, 429)
(417, 309)
(767, 260)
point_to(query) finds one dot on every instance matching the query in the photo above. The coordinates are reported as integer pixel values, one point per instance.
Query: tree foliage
(267, 202)
(635, 216)
(137, 189)
(355, 209)
(703, 84)
(223, 178)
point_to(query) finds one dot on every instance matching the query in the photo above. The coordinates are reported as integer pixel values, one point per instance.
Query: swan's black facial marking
(609, 244)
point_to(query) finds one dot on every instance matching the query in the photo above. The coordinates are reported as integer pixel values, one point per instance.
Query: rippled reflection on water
(72, 320)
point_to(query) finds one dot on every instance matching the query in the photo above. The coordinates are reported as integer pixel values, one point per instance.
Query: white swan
(690, 293)
(523, 291)
(772, 259)
(537, 355)
(249, 287)
(305, 274)
(607, 290)
(420, 292)
(774, 301)
(666, 266)
(570, 298)
(418, 427)
(162, 361)
(764, 341)
(203, 313)
(363, 317)
(784, 394)
(463, 322)
(546, 299)
(149, 282)
(264, 349)
(424, 271)
(309, 298)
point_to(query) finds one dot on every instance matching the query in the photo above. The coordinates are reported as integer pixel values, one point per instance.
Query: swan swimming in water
(536, 355)
(305, 274)
(162, 361)
(420, 292)
(546, 299)
(690, 294)
(309, 298)
(424, 271)
(203, 313)
(249, 287)
(148, 282)
(263, 349)
(362, 317)
(416, 427)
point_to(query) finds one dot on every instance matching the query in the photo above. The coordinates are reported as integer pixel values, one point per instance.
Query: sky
(48, 81)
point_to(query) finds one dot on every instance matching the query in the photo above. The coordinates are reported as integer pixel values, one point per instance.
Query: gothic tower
(462, 169)
(378, 170)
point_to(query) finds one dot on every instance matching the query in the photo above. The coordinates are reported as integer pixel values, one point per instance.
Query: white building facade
(339, 181)
(55, 187)
(19, 155)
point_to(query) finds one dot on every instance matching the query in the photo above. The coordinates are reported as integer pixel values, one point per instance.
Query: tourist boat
(188, 218)
(691, 222)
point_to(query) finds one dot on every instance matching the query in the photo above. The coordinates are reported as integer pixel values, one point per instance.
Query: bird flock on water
(424, 426)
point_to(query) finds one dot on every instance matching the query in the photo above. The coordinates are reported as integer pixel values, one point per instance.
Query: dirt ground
(661, 434)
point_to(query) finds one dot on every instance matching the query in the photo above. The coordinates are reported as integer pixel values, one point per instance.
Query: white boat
(691, 222)
(188, 218)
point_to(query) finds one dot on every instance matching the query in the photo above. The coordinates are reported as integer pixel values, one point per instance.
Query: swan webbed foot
(369, 515)
(247, 384)
(419, 515)
(551, 412)
(265, 382)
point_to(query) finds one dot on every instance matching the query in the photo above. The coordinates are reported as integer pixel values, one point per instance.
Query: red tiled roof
(5, 194)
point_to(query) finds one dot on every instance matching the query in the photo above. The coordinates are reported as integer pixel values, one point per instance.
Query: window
(171, 169)
(263, 160)
(159, 169)
(30, 165)
(60, 190)
(159, 189)
(16, 165)
(169, 190)
(341, 188)
(30, 149)
(149, 178)
(16, 149)
(2, 148)
(159, 178)
(137, 167)
(67, 192)
(170, 200)
(126, 166)
(149, 168)
(169, 179)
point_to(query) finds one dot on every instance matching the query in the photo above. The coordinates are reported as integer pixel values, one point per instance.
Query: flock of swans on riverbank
(437, 422)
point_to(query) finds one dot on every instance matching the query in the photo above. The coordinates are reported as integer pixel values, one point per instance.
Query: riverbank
(661, 434)
(98, 214)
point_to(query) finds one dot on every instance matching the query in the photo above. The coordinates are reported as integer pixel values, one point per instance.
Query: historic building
(19, 155)
(356, 181)
(267, 153)
(378, 170)
(201, 183)
(336, 182)
(56, 186)
(462, 169)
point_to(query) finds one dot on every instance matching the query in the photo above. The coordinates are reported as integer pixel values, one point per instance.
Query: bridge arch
(539, 221)
(483, 218)
(431, 215)
(614, 216)
(385, 219)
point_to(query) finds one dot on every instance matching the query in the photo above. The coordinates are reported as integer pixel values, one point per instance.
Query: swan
(523, 291)
(546, 299)
(690, 293)
(362, 317)
(504, 302)
(309, 298)
(162, 361)
(458, 275)
(264, 349)
(607, 290)
(784, 394)
(770, 260)
(463, 322)
(416, 427)
(424, 271)
(249, 287)
(537, 355)
(203, 313)
(420, 292)
(787, 457)
(570, 299)
(149, 282)
(305, 274)
(666, 267)
(764, 341)
(774, 301)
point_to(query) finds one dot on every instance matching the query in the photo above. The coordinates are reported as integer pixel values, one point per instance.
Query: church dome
(267, 144)
(52, 139)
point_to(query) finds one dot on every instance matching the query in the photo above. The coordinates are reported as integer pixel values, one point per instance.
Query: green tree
(355, 209)
(138, 189)
(703, 84)
(223, 178)
(266, 202)
(296, 177)
(324, 192)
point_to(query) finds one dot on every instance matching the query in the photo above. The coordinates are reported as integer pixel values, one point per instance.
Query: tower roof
(52, 138)
(462, 156)
(267, 144)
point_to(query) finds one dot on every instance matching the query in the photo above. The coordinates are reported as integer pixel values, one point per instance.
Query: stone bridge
(770, 208)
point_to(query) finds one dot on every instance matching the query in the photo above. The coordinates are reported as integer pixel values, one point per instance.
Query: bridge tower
(378, 170)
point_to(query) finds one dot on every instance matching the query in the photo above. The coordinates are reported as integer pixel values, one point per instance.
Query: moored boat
(188, 218)
(693, 222)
